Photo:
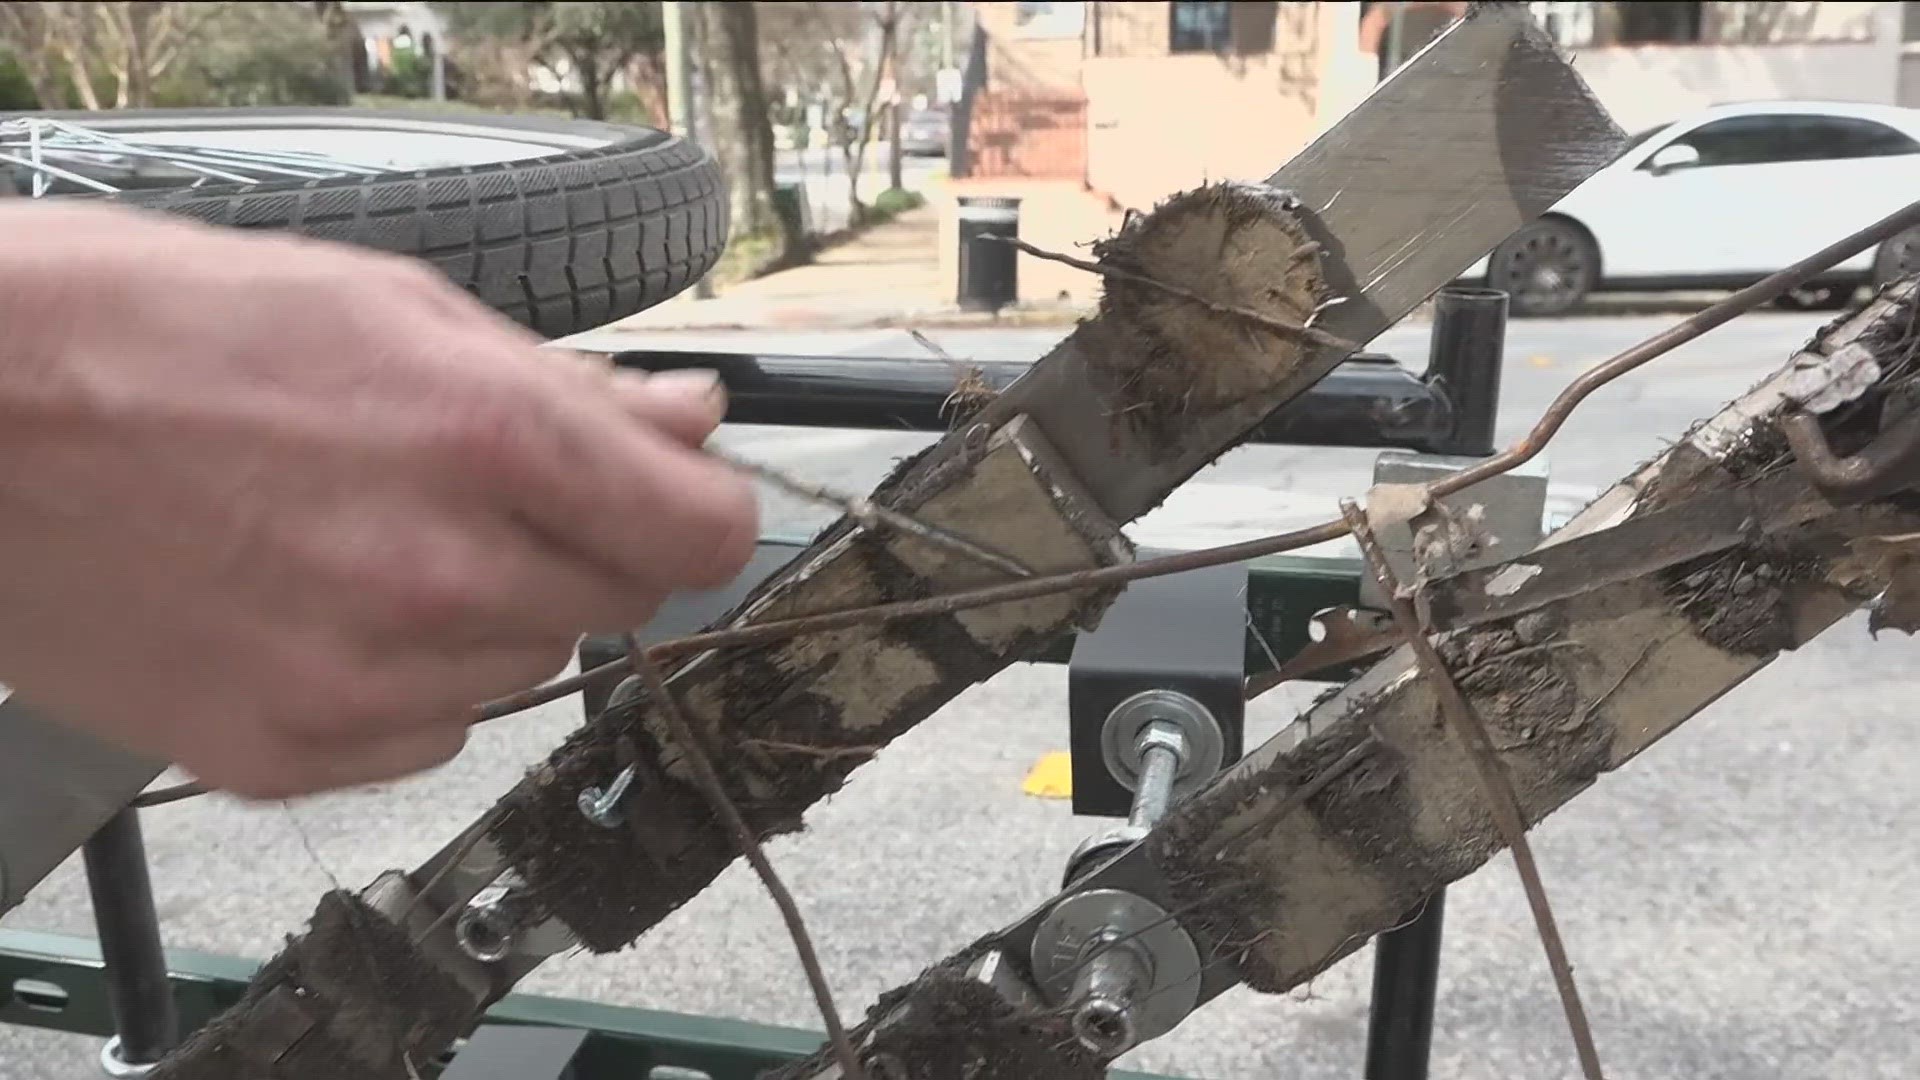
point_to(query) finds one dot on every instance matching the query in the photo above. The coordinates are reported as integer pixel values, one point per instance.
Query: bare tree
(132, 43)
(742, 131)
(585, 45)
(30, 30)
(344, 37)
(840, 52)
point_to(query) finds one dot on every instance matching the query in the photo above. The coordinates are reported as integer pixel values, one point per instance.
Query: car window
(1741, 140)
(1826, 138)
(1762, 140)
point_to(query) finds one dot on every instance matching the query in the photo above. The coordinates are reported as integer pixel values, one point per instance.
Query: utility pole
(678, 45)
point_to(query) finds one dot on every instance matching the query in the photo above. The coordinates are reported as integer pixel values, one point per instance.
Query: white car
(1719, 200)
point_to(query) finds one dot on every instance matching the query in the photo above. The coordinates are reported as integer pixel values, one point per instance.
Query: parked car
(1721, 199)
(925, 132)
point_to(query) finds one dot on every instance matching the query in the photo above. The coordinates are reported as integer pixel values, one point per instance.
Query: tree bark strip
(1281, 888)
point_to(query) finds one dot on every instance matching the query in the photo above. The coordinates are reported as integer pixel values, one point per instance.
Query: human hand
(283, 512)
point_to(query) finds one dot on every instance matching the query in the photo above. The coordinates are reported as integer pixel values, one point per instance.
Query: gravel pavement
(1737, 902)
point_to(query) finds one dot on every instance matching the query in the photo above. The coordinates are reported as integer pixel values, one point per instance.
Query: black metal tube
(1465, 360)
(1368, 401)
(1406, 978)
(144, 1014)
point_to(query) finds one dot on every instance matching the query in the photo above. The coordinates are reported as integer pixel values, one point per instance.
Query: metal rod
(1367, 401)
(1464, 360)
(145, 1019)
(1406, 980)
(1159, 768)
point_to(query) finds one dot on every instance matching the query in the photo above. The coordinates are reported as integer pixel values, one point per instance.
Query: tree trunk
(648, 75)
(895, 168)
(349, 52)
(593, 98)
(742, 132)
(889, 22)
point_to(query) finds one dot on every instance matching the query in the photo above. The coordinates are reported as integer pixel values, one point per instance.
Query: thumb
(685, 404)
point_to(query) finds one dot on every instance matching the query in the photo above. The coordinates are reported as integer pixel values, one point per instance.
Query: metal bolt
(1105, 988)
(1163, 752)
(602, 805)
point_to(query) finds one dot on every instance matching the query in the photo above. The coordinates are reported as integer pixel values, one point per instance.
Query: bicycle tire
(560, 243)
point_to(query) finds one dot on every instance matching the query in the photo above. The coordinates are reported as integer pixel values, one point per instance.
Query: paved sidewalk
(888, 276)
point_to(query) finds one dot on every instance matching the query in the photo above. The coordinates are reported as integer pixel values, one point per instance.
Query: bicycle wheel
(562, 225)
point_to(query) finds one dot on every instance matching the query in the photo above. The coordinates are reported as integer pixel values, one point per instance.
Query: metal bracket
(1186, 633)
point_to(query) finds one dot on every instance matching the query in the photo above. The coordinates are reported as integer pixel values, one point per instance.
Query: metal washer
(1120, 738)
(119, 1068)
(1061, 939)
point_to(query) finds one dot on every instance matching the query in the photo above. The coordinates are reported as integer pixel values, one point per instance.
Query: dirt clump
(1742, 601)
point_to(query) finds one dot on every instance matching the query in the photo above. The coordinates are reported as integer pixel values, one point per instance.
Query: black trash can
(989, 269)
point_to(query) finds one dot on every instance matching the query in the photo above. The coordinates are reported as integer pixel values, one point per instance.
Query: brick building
(1086, 110)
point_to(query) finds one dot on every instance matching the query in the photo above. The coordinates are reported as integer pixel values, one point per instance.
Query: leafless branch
(873, 515)
(696, 755)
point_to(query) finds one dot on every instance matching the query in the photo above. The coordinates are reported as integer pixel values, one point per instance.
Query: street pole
(678, 46)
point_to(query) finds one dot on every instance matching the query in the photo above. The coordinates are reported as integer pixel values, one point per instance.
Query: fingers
(283, 769)
(687, 404)
(408, 713)
(635, 498)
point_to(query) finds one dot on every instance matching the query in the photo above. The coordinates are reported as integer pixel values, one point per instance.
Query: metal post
(677, 45)
(1465, 358)
(1406, 977)
(145, 1020)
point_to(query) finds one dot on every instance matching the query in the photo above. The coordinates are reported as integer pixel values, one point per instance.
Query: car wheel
(1897, 258)
(1546, 268)
(1820, 298)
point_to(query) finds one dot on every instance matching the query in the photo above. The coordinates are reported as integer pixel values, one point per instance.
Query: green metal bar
(56, 982)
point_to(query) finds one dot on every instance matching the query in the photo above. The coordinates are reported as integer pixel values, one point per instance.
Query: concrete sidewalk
(887, 276)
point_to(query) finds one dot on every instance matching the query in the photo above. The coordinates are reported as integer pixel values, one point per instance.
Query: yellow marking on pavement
(1051, 777)
(1540, 360)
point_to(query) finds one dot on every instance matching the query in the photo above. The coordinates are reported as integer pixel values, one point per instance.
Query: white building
(1650, 62)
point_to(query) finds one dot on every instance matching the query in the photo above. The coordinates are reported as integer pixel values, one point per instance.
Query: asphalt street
(1738, 902)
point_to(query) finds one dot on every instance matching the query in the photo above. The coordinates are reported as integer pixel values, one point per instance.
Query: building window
(1665, 22)
(1570, 25)
(1910, 22)
(1049, 20)
(1202, 27)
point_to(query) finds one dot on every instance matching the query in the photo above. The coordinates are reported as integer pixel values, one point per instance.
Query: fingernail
(693, 382)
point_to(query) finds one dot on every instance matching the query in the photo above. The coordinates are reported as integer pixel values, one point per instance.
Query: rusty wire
(1521, 452)
(1526, 449)
(1496, 784)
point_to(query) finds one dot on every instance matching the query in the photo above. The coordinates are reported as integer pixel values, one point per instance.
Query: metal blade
(57, 787)
(1637, 548)
(1477, 135)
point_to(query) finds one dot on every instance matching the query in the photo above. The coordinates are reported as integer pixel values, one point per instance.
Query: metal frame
(124, 987)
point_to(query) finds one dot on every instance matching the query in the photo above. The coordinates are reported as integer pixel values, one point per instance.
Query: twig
(969, 380)
(1595, 704)
(729, 814)
(824, 753)
(1280, 326)
(1502, 801)
(873, 515)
